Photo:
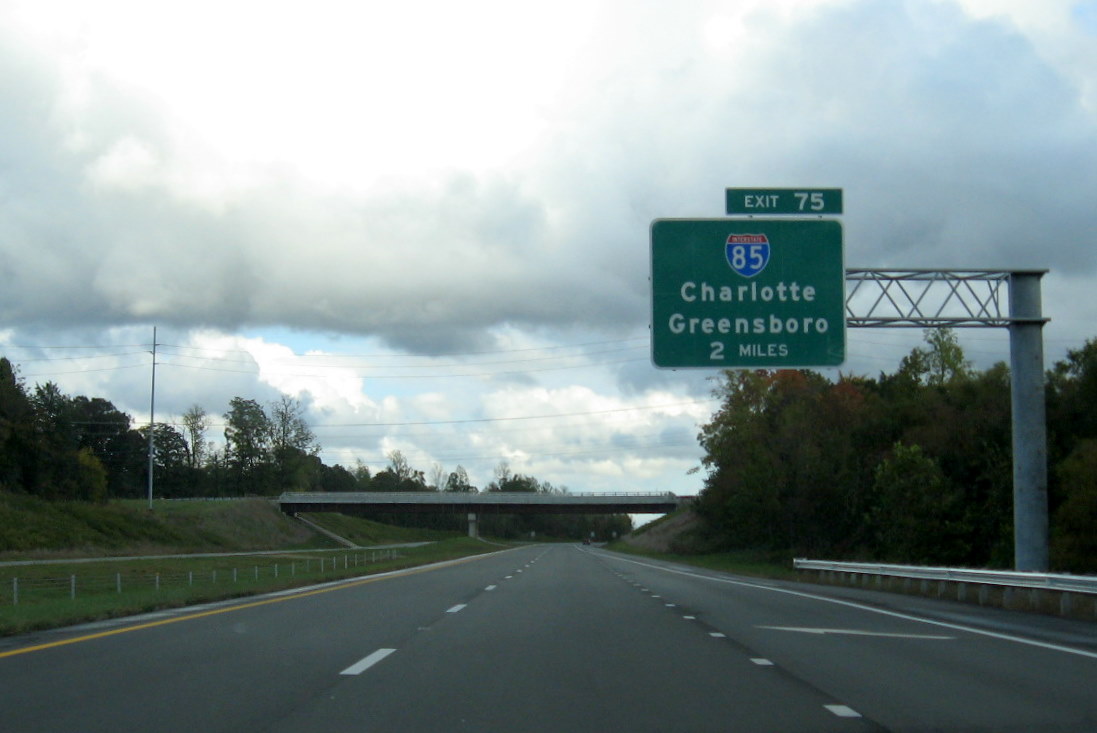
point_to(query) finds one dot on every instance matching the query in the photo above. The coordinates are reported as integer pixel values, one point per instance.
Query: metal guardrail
(1044, 581)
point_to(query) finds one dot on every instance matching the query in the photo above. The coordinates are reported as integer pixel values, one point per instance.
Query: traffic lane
(565, 644)
(903, 672)
(237, 669)
(1051, 629)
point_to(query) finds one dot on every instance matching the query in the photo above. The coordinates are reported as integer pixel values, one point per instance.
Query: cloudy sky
(429, 220)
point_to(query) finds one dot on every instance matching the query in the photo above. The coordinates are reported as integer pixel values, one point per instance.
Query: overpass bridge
(475, 504)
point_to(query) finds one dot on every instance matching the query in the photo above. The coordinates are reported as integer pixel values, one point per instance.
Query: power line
(523, 417)
(450, 365)
(412, 376)
(437, 355)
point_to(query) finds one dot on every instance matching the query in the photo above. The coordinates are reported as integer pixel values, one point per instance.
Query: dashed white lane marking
(669, 605)
(843, 711)
(655, 596)
(508, 577)
(457, 608)
(855, 632)
(762, 662)
(367, 662)
(716, 635)
(689, 618)
(490, 587)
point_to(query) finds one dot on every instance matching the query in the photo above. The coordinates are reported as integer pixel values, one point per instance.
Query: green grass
(44, 599)
(755, 563)
(32, 527)
(368, 532)
(60, 532)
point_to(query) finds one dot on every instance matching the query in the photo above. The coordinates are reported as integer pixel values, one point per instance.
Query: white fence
(29, 589)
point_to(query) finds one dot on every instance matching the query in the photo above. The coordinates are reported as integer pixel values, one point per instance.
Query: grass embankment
(73, 587)
(755, 563)
(679, 537)
(33, 528)
(365, 532)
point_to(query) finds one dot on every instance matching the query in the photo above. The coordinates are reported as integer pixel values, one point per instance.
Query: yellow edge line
(242, 606)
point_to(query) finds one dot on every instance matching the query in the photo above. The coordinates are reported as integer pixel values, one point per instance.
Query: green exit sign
(784, 201)
(747, 293)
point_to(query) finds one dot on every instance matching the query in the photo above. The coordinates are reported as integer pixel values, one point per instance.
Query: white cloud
(418, 181)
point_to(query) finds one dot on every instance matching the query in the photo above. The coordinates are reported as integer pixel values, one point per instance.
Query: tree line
(62, 447)
(910, 467)
(58, 446)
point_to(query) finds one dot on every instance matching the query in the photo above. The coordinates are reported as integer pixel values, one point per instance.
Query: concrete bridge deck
(495, 502)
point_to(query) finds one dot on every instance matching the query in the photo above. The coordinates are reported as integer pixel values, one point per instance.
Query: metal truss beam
(979, 299)
(931, 299)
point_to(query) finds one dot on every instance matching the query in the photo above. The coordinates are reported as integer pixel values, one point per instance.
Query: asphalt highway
(558, 638)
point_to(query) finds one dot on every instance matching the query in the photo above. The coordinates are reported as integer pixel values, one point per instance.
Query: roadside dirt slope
(661, 537)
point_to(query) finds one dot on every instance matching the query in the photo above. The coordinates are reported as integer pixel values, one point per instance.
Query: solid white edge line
(893, 614)
(843, 711)
(367, 662)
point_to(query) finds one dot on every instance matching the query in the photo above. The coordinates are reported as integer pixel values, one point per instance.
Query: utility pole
(152, 415)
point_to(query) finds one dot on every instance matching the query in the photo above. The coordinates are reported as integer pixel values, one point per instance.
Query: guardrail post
(1026, 356)
(15, 591)
(118, 582)
(72, 587)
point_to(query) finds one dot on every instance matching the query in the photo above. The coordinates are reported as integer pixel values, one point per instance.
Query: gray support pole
(1026, 352)
(474, 530)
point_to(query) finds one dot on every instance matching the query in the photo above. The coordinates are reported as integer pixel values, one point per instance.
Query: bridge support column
(474, 528)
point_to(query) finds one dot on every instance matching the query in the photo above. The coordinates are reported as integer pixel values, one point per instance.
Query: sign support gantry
(979, 299)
